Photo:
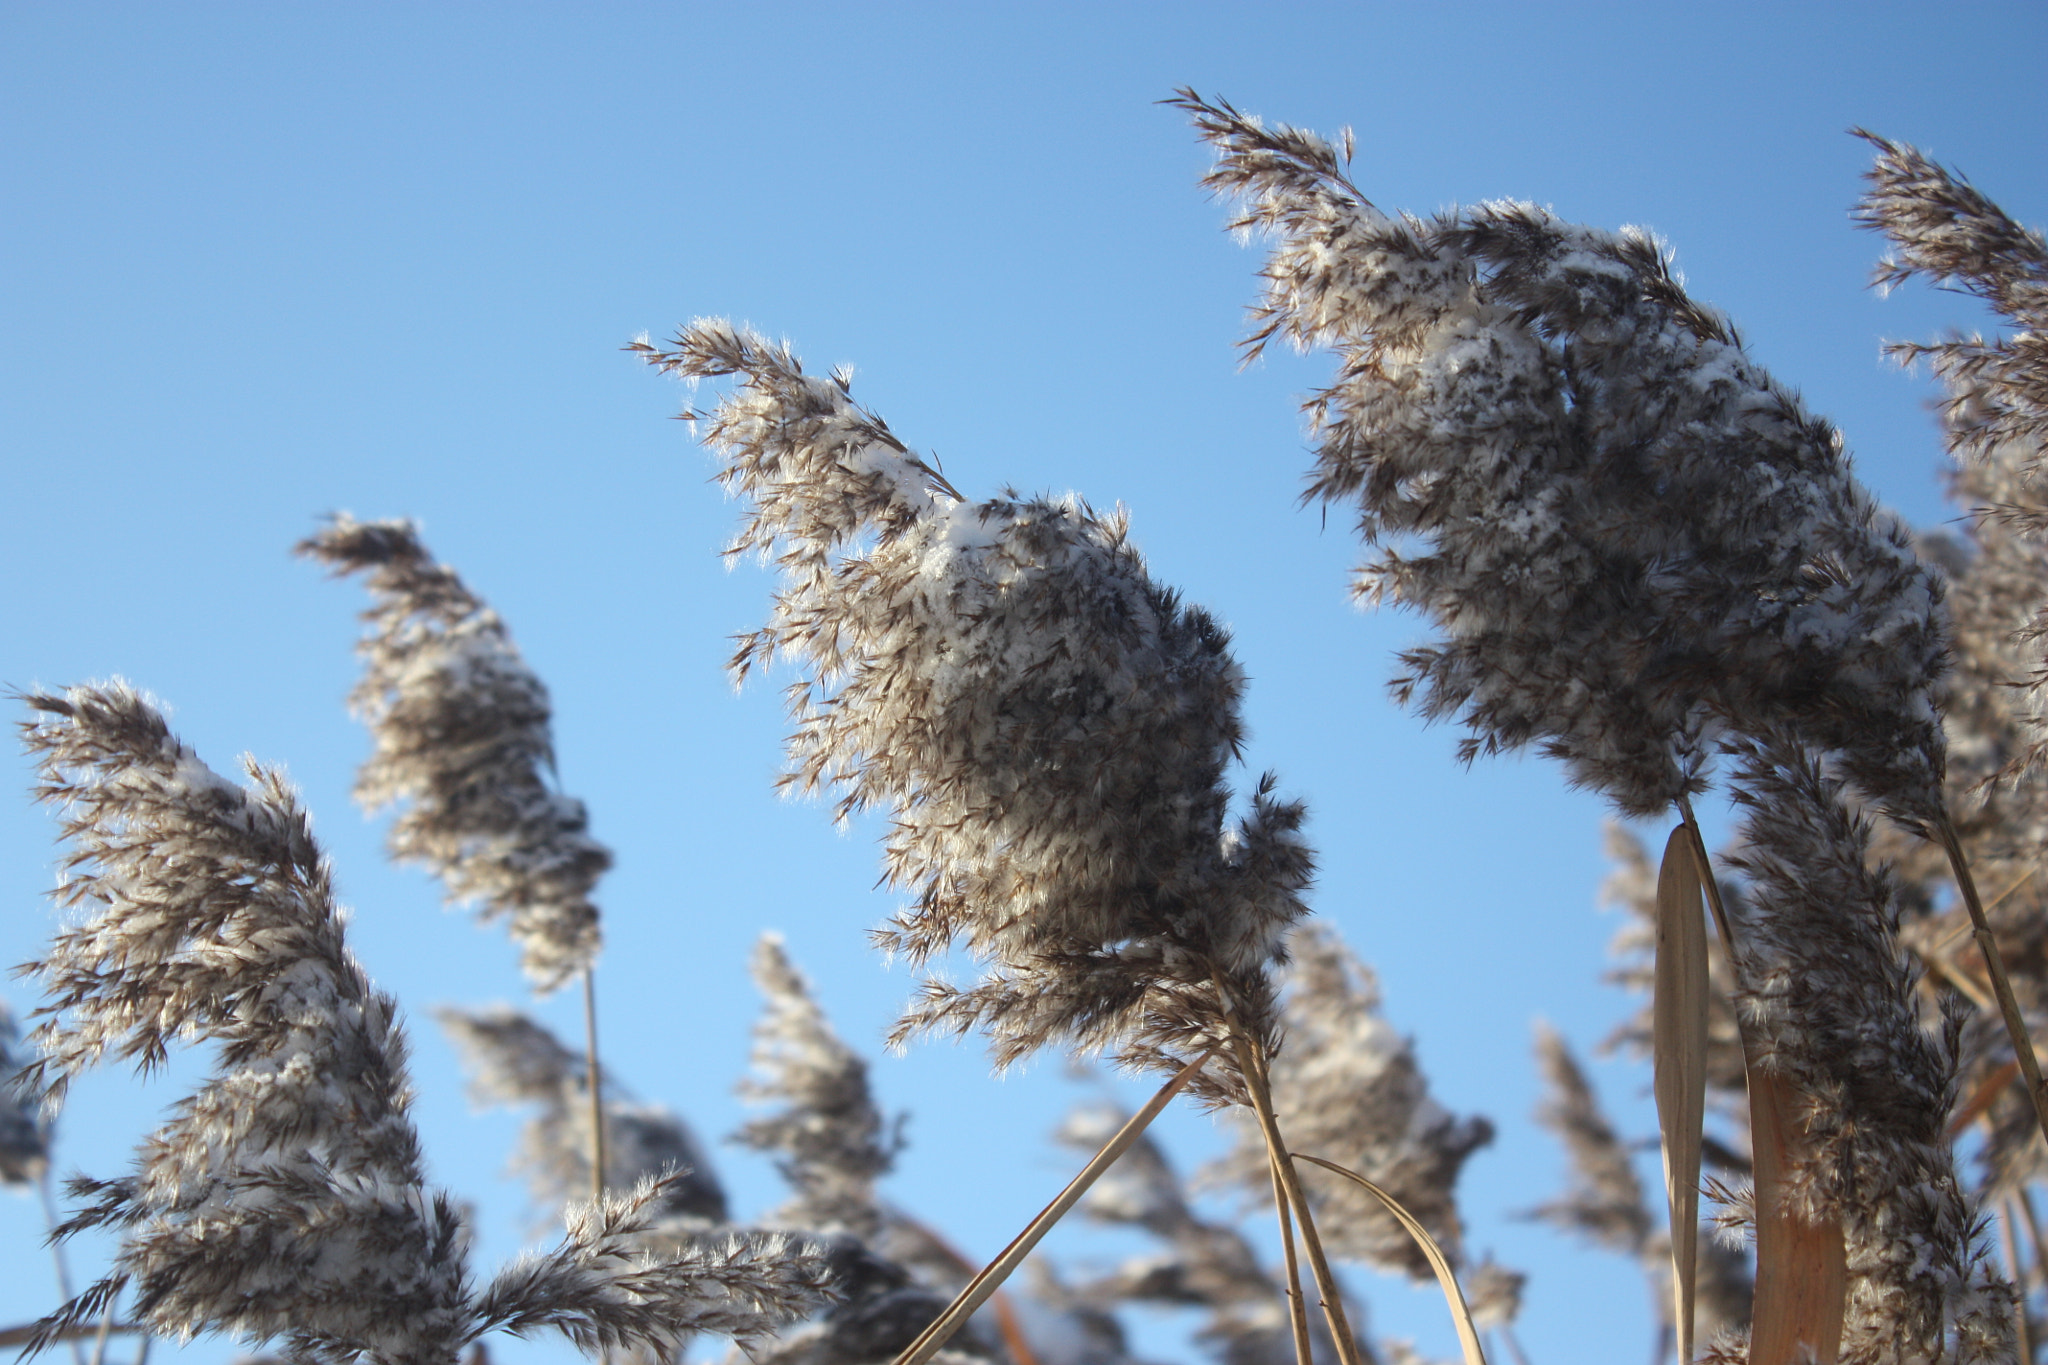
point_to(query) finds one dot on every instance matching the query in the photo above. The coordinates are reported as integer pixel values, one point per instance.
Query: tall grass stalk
(991, 1277)
(1994, 968)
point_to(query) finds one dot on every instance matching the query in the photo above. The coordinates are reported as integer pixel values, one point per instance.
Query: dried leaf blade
(1454, 1297)
(1679, 1044)
(1801, 1265)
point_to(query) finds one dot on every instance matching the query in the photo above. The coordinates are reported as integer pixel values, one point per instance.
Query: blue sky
(270, 261)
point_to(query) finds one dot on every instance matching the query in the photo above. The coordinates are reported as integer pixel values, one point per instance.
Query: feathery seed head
(1046, 726)
(1605, 1202)
(284, 1197)
(1629, 535)
(1829, 1004)
(460, 725)
(602, 1290)
(1943, 228)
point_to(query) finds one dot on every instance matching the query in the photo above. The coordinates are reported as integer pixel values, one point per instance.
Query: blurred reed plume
(1347, 1087)
(832, 1141)
(24, 1139)
(512, 1059)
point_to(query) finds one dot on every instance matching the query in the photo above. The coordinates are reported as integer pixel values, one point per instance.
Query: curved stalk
(1994, 967)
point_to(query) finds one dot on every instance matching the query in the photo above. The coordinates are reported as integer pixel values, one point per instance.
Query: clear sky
(268, 261)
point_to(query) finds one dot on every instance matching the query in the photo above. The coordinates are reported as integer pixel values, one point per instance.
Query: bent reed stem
(1283, 1166)
(591, 1083)
(1297, 1306)
(1994, 967)
(984, 1285)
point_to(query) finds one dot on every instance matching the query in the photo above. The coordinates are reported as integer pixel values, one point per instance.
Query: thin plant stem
(591, 1082)
(142, 1347)
(1962, 931)
(978, 1290)
(2009, 1237)
(57, 1260)
(1514, 1345)
(1007, 1321)
(99, 1340)
(1994, 967)
(1251, 1061)
(1297, 1307)
(1283, 1166)
(2034, 1235)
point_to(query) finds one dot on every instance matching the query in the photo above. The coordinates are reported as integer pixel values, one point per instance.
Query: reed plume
(1946, 231)
(1829, 1004)
(1603, 1201)
(831, 1144)
(513, 1060)
(1943, 230)
(463, 748)
(1641, 552)
(1045, 725)
(285, 1198)
(830, 1141)
(1632, 538)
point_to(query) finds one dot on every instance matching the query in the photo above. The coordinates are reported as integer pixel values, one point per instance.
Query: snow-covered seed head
(463, 748)
(1046, 726)
(1630, 536)
(284, 1197)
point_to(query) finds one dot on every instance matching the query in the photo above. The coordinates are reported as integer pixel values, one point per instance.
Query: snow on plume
(1046, 727)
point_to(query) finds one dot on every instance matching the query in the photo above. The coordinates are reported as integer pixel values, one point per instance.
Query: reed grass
(1643, 557)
